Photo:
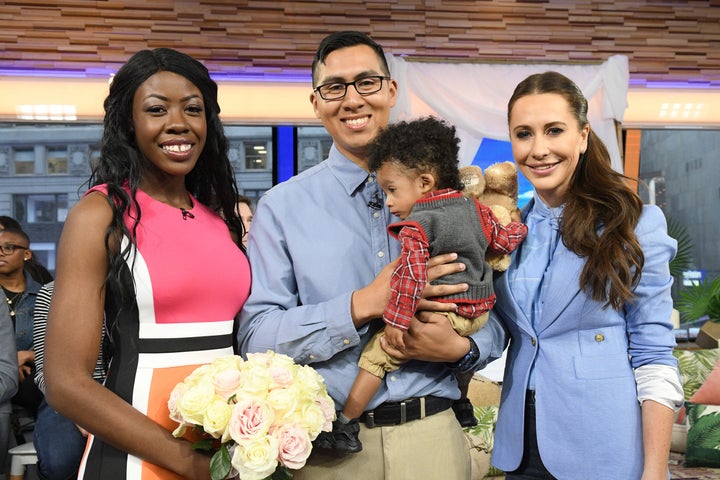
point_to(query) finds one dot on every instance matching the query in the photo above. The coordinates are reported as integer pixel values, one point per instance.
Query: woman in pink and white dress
(142, 252)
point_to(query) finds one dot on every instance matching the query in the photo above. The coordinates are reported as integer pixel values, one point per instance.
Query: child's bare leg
(363, 390)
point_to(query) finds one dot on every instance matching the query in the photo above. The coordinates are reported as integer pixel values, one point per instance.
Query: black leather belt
(395, 413)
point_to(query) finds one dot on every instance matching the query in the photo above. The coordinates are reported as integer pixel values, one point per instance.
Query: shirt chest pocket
(603, 354)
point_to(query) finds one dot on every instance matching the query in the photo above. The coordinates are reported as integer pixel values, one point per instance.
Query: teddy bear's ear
(473, 181)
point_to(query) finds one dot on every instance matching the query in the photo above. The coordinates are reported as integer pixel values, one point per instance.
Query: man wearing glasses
(322, 260)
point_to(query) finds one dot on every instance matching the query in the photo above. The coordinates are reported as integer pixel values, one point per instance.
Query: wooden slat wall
(666, 40)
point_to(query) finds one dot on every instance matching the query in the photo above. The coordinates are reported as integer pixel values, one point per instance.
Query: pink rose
(227, 382)
(250, 419)
(282, 377)
(328, 408)
(172, 402)
(293, 446)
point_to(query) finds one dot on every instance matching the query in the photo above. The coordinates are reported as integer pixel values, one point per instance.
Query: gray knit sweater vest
(452, 223)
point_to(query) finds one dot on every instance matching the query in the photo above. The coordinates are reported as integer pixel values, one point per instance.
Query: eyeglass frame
(12, 247)
(354, 84)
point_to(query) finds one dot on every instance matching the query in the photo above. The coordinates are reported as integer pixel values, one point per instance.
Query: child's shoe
(347, 436)
(344, 437)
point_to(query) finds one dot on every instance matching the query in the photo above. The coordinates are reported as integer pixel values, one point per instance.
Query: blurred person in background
(20, 291)
(244, 209)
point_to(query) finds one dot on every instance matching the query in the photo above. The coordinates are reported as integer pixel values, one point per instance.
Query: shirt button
(312, 357)
(393, 378)
(381, 254)
(599, 337)
(371, 179)
(346, 342)
(534, 342)
(376, 215)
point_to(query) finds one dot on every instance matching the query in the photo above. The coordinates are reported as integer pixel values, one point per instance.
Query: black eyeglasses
(9, 248)
(364, 86)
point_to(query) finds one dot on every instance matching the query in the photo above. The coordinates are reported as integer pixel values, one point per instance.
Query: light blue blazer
(588, 415)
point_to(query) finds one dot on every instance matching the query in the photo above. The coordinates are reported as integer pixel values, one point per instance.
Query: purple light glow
(674, 85)
(106, 73)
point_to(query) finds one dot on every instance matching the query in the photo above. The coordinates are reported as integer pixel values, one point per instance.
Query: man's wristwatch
(469, 360)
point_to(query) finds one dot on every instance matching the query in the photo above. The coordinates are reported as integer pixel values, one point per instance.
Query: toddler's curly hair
(425, 145)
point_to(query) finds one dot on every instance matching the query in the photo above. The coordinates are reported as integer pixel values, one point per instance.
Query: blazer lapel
(506, 303)
(563, 285)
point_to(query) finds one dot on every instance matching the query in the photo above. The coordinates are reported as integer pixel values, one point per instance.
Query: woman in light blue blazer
(590, 383)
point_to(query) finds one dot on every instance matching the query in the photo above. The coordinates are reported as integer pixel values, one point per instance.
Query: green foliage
(281, 473)
(700, 299)
(706, 428)
(703, 436)
(695, 366)
(220, 464)
(482, 433)
(204, 445)
(683, 257)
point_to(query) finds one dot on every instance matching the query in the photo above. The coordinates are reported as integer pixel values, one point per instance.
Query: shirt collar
(348, 173)
(540, 210)
(441, 193)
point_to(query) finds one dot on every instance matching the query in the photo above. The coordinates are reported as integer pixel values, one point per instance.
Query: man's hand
(369, 302)
(439, 266)
(430, 338)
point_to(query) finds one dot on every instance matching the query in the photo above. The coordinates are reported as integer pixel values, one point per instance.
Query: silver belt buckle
(370, 419)
(403, 413)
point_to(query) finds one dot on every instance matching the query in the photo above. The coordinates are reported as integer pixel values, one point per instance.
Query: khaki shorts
(376, 361)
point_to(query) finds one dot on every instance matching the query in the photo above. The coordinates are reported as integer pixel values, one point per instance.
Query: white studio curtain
(473, 96)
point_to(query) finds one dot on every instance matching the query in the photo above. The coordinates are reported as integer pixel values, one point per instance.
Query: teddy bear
(498, 189)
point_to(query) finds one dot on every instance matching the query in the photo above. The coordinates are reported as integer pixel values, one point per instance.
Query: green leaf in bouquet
(220, 464)
(281, 473)
(204, 445)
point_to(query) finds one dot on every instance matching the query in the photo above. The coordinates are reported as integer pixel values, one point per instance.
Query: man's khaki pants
(428, 449)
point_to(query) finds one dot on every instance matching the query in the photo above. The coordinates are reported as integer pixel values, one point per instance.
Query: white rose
(196, 399)
(256, 459)
(217, 417)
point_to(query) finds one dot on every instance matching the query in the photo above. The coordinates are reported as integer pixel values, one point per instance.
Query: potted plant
(702, 300)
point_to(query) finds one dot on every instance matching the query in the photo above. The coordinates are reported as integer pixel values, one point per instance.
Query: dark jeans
(531, 467)
(59, 444)
(28, 395)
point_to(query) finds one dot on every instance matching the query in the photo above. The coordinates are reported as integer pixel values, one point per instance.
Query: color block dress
(190, 281)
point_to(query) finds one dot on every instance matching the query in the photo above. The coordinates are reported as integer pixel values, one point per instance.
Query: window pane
(46, 208)
(20, 208)
(62, 207)
(313, 146)
(44, 253)
(57, 161)
(24, 161)
(256, 155)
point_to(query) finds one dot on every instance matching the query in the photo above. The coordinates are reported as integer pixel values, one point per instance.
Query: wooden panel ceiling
(666, 41)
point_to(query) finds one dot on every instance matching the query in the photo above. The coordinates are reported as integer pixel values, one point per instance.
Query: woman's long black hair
(211, 181)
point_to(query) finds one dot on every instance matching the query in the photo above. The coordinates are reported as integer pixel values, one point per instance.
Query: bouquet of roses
(264, 412)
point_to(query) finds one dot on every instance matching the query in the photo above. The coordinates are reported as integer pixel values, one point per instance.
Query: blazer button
(599, 337)
(534, 342)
